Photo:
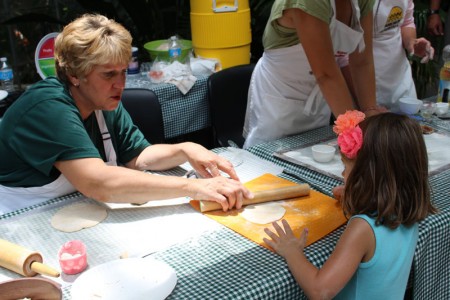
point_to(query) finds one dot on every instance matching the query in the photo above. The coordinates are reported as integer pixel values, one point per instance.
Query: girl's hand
(284, 241)
(338, 192)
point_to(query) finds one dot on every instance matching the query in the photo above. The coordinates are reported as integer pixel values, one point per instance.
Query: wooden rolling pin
(23, 261)
(282, 193)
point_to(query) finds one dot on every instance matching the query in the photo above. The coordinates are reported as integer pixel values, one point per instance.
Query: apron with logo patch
(392, 70)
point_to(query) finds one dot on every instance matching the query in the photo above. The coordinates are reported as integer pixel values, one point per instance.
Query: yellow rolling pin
(23, 261)
(282, 193)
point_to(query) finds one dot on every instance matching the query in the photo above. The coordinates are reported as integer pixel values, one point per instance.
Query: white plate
(3, 94)
(130, 278)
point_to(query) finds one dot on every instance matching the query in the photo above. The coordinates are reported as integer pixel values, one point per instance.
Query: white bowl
(441, 108)
(409, 105)
(323, 153)
(129, 278)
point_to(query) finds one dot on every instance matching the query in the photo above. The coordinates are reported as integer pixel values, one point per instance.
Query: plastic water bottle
(444, 76)
(133, 65)
(174, 48)
(6, 76)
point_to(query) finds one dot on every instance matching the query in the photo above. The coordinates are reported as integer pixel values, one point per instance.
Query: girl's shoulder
(370, 220)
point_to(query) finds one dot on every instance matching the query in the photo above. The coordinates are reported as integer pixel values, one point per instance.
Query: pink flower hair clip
(349, 133)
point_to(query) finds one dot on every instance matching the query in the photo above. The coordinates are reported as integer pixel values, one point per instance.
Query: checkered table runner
(218, 264)
(221, 264)
(225, 265)
(316, 180)
(182, 114)
(431, 266)
(439, 123)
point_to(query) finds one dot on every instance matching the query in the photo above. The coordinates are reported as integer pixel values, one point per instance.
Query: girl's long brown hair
(389, 180)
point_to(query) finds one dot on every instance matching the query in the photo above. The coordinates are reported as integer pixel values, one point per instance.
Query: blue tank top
(386, 275)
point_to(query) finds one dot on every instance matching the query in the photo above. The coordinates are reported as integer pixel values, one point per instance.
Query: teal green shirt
(276, 36)
(44, 126)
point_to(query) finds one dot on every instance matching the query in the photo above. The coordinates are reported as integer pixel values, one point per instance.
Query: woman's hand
(207, 163)
(434, 25)
(227, 192)
(283, 241)
(375, 110)
(421, 47)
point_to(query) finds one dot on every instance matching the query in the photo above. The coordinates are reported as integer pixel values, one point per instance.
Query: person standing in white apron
(394, 38)
(297, 80)
(395, 32)
(71, 133)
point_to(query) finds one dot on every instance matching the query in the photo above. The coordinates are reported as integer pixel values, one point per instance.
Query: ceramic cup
(409, 105)
(323, 153)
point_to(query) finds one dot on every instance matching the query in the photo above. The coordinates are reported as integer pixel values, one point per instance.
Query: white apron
(284, 97)
(392, 69)
(14, 198)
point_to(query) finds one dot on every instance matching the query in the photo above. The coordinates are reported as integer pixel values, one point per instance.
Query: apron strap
(315, 94)
(111, 158)
(355, 22)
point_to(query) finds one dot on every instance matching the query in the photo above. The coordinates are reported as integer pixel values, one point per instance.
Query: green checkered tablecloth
(316, 180)
(224, 265)
(219, 263)
(215, 264)
(431, 266)
(440, 124)
(182, 114)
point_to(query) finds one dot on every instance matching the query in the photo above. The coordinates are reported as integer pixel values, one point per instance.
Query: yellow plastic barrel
(221, 29)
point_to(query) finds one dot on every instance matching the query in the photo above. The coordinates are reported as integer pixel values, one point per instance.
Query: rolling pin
(23, 261)
(283, 193)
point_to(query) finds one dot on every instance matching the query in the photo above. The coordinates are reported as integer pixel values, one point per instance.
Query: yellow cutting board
(318, 212)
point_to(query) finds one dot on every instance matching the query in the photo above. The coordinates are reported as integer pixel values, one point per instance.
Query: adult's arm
(434, 22)
(93, 178)
(420, 47)
(363, 71)
(315, 37)
(408, 29)
(164, 156)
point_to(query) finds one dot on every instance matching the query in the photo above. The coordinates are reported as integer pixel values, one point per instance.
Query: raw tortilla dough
(263, 213)
(78, 216)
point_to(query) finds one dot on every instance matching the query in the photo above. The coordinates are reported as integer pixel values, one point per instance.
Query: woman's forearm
(363, 70)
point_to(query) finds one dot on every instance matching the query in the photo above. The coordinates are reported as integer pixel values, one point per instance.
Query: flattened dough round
(264, 213)
(78, 216)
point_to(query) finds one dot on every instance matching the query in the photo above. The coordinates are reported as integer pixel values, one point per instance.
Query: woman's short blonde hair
(88, 41)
